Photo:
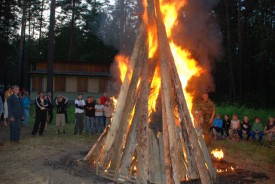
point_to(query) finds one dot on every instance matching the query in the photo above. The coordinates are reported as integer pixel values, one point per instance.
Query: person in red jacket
(103, 98)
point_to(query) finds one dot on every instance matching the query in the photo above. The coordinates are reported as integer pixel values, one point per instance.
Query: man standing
(15, 113)
(40, 114)
(208, 111)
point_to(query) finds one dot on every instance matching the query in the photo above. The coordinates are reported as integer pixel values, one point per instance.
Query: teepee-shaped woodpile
(132, 149)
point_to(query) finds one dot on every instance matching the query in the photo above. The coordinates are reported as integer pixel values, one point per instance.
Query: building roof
(73, 73)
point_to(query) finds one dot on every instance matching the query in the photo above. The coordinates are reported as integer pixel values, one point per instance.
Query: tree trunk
(72, 30)
(51, 48)
(122, 22)
(240, 49)
(22, 45)
(40, 25)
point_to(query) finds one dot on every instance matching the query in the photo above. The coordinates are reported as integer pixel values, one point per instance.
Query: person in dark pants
(79, 114)
(15, 113)
(40, 114)
(50, 108)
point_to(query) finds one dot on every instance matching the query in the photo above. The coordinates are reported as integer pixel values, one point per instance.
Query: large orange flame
(122, 63)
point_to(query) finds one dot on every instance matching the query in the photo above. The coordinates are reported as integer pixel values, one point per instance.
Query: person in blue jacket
(26, 107)
(15, 113)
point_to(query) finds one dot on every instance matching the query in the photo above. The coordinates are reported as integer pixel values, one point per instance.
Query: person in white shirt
(79, 113)
(99, 109)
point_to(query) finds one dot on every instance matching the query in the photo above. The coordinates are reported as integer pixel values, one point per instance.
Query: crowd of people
(233, 128)
(16, 107)
(98, 114)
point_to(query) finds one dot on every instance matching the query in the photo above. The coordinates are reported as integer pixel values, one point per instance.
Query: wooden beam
(127, 90)
(168, 58)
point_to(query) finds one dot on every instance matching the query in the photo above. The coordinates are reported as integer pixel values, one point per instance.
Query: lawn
(33, 159)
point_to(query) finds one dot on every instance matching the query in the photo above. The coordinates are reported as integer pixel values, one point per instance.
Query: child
(79, 112)
(226, 125)
(270, 129)
(257, 128)
(99, 109)
(61, 102)
(234, 128)
(245, 128)
(108, 112)
(217, 126)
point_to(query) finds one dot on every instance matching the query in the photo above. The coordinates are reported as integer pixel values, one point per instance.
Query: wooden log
(131, 142)
(143, 122)
(98, 143)
(167, 157)
(206, 154)
(162, 157)
(127, 90)
(183, 110)
(132, 96)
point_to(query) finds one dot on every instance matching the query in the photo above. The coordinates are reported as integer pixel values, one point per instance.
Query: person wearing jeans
(90, 116)
(26, 107)
(99, 109)
(15, 113)
(40, 114)
(79, 113)
(257, 129)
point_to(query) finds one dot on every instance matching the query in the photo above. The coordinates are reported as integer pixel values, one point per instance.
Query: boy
(226, 125)
(79, 112)
(217, 126)
(270, 129)
(61, 102)
(257, 128)
(99, 109)
(108, 112)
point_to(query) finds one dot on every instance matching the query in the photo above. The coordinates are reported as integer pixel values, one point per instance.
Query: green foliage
(241, 111)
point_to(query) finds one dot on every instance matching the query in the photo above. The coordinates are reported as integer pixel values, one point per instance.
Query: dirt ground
(53, 159)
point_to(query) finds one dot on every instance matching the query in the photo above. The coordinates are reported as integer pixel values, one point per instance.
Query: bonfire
(152, 137)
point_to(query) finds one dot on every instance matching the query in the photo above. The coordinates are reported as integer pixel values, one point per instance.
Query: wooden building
(70, 78)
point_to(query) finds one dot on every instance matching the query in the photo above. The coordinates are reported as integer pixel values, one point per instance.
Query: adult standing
(15, 113)
(49, 108)
(90, 115)
(8, 92)
(208, 111)
(40, 114)
(79, 113)
(26, 107)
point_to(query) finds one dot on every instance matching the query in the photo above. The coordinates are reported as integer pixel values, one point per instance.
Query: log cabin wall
(70, 78)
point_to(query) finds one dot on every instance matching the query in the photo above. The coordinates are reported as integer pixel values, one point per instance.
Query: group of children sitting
(236, 129)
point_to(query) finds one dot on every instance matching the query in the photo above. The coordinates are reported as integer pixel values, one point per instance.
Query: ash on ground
(70, 163)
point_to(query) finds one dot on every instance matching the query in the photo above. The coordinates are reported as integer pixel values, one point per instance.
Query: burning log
(130, 151)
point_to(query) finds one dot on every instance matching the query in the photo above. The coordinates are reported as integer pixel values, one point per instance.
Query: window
(37, 83)
(82, 84)
(59, 83)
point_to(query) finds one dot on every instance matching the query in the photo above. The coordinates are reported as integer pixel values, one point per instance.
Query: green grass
(253, 152)
(241, 111)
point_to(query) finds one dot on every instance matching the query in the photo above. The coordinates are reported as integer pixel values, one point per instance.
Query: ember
(218, 154)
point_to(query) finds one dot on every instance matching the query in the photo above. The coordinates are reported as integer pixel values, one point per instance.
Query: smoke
(198, 32)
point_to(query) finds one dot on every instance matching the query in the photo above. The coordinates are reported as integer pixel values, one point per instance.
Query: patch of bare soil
(54, 159)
